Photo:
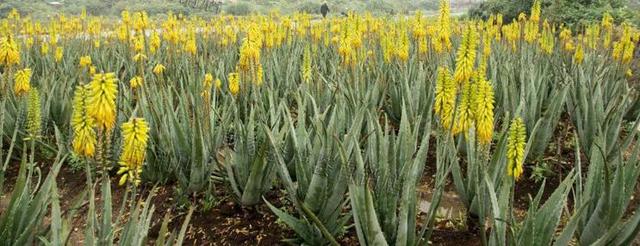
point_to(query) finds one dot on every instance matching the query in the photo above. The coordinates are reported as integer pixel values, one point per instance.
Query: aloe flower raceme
(154, 42)
(402, 45)
(135, 82)
(159, 69)
(515, 148)
(532, 28)
(442, 42)
(22, 82)
(607, 26)
(138, 43)
(234, 83)
(466, 56)
(445, 97)
(85, 61)
(207, 84)
(139, 57)
(135, 134)
(483, 101)
(102, 103)
(578, 56)
(84, 136)
(208, 80)
(305, 67)
(44, 48)
(623, 49)
(58, 54)
(9, 51)
(34, 118)
(464, 113)
(218, 84)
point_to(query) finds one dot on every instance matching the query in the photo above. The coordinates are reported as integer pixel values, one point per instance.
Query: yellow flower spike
(92, 70)
(208, 81)
(126, 18)
(464, 112)
(9, 51)
(22, 81)
(483, 101)
(138, 43)
(234, 83)
(14, 14)
(218, 84)
(159, 69)
(123, 32)
(84, 139)
(140, 57)
(569, 46)
(28, 42)
(445, 97)
(135, 135)
(154, 42)
(44, 48)
(442, 42)
(486, 46)
(531, 27)
(402, 45)
(102, 106)
(516, 142)
(535, 12)
(305, 70)
(565, 34)
(191, 45)
(140, 21)
(58, 54)
(466, 56)
(123, 179)
(136, 82)
(522, 17)
(578, 56)
(85, 61)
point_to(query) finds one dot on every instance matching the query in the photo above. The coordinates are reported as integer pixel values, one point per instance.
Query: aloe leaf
(295, 224)
(369, 231)
(185, 225)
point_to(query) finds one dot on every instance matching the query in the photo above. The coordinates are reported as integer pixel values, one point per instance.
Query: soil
(225, 224)
(231, 224)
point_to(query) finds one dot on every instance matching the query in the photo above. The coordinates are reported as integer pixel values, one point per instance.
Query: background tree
(573, 13)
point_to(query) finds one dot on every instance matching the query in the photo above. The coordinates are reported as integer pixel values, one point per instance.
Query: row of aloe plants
(350, 143)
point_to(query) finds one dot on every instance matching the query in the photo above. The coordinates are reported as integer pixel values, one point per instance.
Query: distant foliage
(41, 9)
(309, 7)
(573, 13)
(238, 8)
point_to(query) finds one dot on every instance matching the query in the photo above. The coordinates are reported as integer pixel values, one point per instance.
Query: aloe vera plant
(318, 156)
(604, 195)
(539, 92)
(391, 166)
(22, 220)
(186, 139)
(599, 102)
(249, 172)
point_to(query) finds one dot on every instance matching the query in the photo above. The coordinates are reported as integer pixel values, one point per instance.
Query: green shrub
(151, 7)
(310, 7)
(571, 13)
(238, 8)
(385, 7)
